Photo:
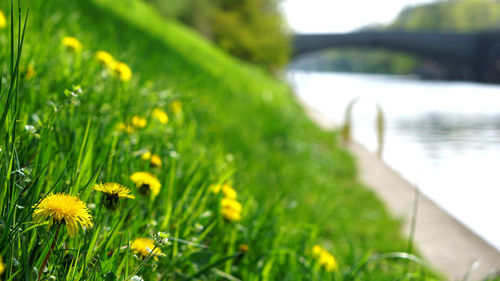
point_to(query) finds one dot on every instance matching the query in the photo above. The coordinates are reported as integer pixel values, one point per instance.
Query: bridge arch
(478, 52)
(450, 46)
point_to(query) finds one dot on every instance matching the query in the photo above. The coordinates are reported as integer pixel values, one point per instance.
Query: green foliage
(61, 131)
(250, 29)
(456, 15)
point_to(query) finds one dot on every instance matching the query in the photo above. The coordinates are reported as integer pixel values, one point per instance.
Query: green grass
(239, 126)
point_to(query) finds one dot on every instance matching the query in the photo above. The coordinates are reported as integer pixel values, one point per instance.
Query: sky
(329, 16)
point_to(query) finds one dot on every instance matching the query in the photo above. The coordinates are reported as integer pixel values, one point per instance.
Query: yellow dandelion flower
(122, 70)
(30, 72)
(105, 58)
(231, 204)
(160, 115)
(243, 248)
(231, 214)
(145, 247)
(3, 20)
(138, 122)
(146, 182)
(114, 189)
(2, 266)
(231, 209)
(113, 192)
(72, 43)
(327, 261)
(176, 107)
(125, 128)
(155, 161)
(317, 250)
(227, 190)
(63, 209)
(146, 156)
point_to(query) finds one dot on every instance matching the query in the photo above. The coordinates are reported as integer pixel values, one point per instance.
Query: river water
(444, 137)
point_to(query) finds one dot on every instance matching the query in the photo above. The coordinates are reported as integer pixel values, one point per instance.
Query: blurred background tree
(253, 30)
(451, 15)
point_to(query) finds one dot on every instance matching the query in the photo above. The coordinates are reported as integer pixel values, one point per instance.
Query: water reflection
(459, 132)
(444, 137)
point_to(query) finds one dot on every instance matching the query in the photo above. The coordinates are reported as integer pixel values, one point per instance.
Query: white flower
(136, 278)
(30, 128)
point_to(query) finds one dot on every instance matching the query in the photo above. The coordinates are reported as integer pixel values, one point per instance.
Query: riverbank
(448, 130)
(448, 245)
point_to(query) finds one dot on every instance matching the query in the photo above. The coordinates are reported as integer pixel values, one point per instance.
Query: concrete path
(444, 242)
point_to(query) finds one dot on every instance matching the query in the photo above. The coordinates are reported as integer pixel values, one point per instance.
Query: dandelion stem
(46, 259)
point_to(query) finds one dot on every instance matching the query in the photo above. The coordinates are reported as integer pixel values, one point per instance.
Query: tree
(253, 30)
(445, 15)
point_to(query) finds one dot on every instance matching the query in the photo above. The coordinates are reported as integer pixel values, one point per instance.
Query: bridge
(469, 56)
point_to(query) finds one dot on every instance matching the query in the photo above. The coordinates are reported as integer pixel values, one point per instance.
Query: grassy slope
(300, 181)
(278, 151)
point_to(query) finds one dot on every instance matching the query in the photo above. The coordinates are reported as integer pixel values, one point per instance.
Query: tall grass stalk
(380, 127)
